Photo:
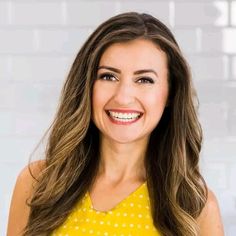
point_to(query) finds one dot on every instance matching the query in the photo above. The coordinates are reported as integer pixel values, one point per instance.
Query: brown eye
(107, 76)
(145, 80)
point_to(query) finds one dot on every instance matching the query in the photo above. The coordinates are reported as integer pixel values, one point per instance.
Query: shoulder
(31, 172)
(209, 221)
(27, 177)
(19, 210)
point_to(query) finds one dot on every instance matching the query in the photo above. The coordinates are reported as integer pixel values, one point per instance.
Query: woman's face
(130, 91)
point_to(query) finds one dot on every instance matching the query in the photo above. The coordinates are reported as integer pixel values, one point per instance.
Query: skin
(19, 211)
(145, 92)
(119, 86)
(123, 146)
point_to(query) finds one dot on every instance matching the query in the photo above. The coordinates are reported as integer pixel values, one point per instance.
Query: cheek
(157, 101)
(99, 98)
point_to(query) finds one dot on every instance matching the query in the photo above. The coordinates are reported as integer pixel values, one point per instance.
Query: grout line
(9, 66)
(230, 68)
(199, 39)
(229, 13)
(226, 67)
(10, 8)
(172, 13)
(64, 13)
(36, 40)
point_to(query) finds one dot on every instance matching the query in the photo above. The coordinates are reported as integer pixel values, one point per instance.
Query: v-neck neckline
(118, 204)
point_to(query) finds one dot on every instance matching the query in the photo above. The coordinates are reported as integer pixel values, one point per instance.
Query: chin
(127, 139)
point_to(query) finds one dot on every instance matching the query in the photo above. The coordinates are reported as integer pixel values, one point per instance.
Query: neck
(122, 162)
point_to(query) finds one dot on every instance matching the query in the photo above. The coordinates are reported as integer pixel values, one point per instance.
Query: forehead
(138, 53)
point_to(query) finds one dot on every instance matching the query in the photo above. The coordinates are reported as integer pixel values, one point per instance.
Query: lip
(123, 111)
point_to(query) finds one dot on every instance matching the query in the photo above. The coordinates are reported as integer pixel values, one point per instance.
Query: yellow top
(132, 216)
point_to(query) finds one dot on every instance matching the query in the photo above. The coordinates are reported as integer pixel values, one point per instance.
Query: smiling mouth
(124, 117)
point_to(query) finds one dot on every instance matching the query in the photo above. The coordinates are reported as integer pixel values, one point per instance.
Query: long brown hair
(177, 190)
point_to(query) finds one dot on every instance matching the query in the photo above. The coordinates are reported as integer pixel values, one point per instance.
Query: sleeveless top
(132, 216)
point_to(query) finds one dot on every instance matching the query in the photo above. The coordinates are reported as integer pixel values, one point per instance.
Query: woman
(123, 152)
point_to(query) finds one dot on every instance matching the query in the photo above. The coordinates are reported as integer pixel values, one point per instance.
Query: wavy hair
(177, 190)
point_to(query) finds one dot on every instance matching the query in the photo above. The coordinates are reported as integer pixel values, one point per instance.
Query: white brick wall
(39, 40)
(160, 9)
(195, 13)
(23, 44)
(61, 40)
(4, 13)
(33, 13)
(233, 15)
(89, 13)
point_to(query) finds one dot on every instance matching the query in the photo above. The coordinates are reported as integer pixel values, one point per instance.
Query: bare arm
(19, 211)
(210, 221)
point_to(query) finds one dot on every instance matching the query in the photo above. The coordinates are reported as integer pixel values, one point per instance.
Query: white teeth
(124, 116)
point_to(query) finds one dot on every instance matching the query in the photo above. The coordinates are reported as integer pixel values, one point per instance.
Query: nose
(124, 93)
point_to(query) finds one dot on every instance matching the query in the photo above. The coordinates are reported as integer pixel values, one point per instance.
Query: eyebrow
(135, 73)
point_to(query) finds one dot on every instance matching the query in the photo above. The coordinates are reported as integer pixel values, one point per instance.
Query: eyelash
(102, 76)
(146, 79)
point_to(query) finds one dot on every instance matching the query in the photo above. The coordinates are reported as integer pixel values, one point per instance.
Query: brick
(201, 13)
(221, 93)
(4, 16)
(233, 13)
(17, 41)
(209, 67)
(232, 178)
(31, 124)
(234, 67)
(18, 149)
(85, 13)
(232, 119)
(23, 124)
(27, 97)
(37, 97)
(227, 206)
(216, 91)
(62, 41)
(212, 40)
(219, 40)
(159, 9)
(49, 97)
(215, 174)
(7, 95)
(36, 13)
(219, 150)
(4, 67)
(39, 68)
(211, 91)
(6, 122)
(187, 40)
(229, 40)
(213, 118)
(229, 94)
(10, 170)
